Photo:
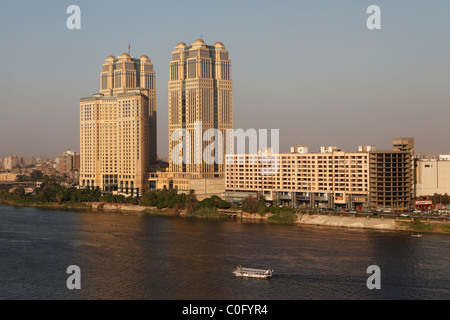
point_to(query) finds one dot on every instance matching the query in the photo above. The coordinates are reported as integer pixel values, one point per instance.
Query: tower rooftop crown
(180, 45)
(219, 44)
(125, 56)
(110, 59)
(145, 58)
(199, 43)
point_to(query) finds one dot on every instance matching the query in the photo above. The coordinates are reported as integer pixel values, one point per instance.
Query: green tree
(250, 204)
(261, 206)
(224, 205)
(445, 199)
(18, 193)
(163, 199)
(191, 202)
(36, 175)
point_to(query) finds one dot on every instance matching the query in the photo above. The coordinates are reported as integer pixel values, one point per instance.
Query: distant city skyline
(309, 68)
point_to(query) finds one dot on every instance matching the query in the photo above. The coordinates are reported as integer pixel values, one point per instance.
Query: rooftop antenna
(129, 49)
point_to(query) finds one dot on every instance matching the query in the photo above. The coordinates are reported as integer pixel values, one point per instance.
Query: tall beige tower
(200, 99)
(118, 127)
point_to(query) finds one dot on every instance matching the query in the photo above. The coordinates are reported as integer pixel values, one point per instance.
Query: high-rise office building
(118, 127)
(200, 99)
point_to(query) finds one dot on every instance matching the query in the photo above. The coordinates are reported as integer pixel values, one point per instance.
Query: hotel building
(200, 96)
(331, 178)
(118, 127)
(200, 101)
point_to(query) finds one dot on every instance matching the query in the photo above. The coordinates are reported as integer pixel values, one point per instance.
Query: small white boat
(253, 273)
(416, 235)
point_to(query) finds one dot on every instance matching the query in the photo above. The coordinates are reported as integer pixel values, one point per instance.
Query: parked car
(352, 212)
(404, 215)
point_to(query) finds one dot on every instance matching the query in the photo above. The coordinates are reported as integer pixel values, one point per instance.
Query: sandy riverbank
(352, 222)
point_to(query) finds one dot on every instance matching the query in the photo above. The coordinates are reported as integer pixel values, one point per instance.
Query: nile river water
(162, 258)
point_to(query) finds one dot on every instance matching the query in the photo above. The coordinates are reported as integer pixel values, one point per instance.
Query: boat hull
(253, 273)
(253, 276)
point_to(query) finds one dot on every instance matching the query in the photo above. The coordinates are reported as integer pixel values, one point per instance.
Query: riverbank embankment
(326, 220)
(351, 222)
(337, 221)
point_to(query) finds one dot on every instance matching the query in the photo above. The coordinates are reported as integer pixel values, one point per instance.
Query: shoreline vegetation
(168, 202)
(312, 219)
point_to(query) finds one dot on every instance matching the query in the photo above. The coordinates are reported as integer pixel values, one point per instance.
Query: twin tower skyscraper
(118, 125)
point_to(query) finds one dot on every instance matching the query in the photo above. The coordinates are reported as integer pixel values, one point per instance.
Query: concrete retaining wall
(304, 219)
(350, 222)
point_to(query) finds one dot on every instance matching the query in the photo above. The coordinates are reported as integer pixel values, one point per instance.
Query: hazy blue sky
(309, 68)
